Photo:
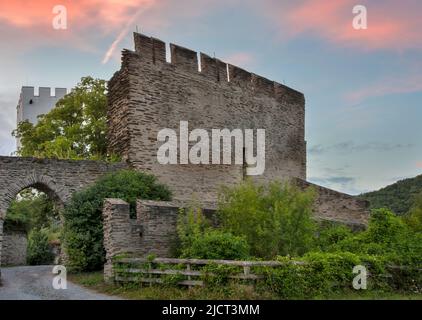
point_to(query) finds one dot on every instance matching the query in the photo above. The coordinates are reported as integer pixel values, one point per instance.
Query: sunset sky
(363, 88)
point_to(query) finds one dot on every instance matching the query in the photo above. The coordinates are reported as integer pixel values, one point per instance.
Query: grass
(96, 282)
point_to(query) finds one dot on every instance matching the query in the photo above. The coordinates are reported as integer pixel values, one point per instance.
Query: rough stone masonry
(149, 94)
(59, 179)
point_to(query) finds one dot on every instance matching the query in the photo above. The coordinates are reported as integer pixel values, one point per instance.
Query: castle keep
(149, 94)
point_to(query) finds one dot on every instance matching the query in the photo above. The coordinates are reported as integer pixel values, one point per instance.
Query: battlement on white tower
(31, 106)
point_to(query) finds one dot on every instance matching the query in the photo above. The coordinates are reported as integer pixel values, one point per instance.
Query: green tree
(39, 251)
(414, 217)
(387, 235)
(33, 210)
(74, 129)
(397, 197)
(199, 240)
(275, 220)
(330, 234)
(83, 228)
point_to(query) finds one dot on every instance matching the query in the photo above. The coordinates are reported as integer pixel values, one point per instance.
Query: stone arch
(59, 179)
(55, 191)
(58, 193)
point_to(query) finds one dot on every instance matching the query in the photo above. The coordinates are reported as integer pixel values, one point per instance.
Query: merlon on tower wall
(149, 94)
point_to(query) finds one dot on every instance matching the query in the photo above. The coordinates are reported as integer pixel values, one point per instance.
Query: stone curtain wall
(152, 232)
(57, 178)
(121, 233)
(14, 247)
(336, 206)
(149, 94)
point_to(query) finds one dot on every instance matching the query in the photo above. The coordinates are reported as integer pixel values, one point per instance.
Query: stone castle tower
(149, 94)
(30, 106)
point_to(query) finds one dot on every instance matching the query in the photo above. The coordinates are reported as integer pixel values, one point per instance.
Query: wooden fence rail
(143, 270)
(127, 267)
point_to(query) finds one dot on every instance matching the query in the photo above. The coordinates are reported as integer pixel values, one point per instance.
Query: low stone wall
(153, 231)
(14, 247)
(338, 207)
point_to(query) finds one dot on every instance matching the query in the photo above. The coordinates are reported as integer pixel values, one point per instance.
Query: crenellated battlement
(154, 50)
(31, 105)
(159, 85)
(43, 92)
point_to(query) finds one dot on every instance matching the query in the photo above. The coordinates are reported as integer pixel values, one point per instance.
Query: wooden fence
(143, 270)
(154, 271)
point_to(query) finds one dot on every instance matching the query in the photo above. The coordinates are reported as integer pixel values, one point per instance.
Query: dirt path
(35, 283)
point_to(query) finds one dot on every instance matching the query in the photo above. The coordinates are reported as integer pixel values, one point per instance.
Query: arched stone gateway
(57, 178)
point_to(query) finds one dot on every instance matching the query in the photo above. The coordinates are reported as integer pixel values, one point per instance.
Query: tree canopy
(74, 129)
(83, 226)
(398, 197)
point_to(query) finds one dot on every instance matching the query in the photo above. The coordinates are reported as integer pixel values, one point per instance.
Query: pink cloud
(81, 13)
(241, 59)
(28, 24)
(419, 164)
(393, 85)
(391, 24)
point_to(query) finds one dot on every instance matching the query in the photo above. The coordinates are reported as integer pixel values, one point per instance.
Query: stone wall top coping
(175, 204)
(44, 160)
(184, 58)
(115, 201)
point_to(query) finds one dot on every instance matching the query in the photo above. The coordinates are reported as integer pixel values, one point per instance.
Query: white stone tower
(31, 106)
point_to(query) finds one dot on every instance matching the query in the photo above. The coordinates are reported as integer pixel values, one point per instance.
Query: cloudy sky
(363, 88)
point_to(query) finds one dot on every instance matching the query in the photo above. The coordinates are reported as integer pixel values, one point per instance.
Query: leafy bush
(275, 220)
(322, 274)
(39, 251)
(331, 234)
(191, 224)
(199, 241)
(387, 236)
(216, 244)
(414, 217)
(83, 229)
(32, 210)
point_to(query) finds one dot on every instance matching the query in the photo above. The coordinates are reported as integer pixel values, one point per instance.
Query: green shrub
(39, 251)
(386, 236)
(332, 234)
(32, 210)
(216, 244)
(83, 228)
(198, 240)
(414, 217)
(323, 274)
(191, 224)
(275, 220)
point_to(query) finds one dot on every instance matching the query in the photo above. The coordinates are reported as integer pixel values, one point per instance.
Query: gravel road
(35, 283)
